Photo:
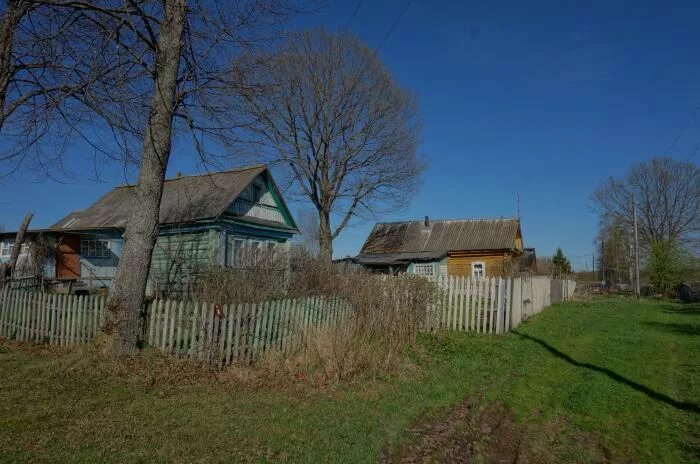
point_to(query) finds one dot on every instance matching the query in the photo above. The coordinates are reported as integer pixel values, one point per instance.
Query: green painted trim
(272, 188)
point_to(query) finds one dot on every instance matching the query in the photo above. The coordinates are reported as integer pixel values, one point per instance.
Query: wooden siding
(265, 206)
(245, 208)
(177, 256)
(498, 264)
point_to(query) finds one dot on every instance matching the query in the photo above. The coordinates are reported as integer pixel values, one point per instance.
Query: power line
(354, 12)
(683, 129)
(393, 26)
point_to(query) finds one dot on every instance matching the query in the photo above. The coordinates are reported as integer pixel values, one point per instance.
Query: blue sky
(544, 100)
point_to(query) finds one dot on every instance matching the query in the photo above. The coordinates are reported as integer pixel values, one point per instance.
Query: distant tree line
(667, 197)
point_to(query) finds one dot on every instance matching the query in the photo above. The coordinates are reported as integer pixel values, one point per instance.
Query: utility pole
(629, 261)
(636, 246)
(595, 277)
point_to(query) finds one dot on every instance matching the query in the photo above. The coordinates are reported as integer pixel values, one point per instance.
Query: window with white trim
(478, 270)
(237, 256)
(424, 269)
(94, 248)
(6, 249)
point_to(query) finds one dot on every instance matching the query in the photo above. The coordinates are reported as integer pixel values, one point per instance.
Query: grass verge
(612, 380)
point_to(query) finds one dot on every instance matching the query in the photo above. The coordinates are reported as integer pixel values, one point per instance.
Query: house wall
(101, 271)
(498, 264)
(181, 253)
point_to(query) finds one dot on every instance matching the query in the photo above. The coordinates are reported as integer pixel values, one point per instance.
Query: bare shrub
(384, 316)
(378, 316)
(268, 275)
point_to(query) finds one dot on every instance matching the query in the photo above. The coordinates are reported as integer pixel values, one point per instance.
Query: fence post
(501, 308)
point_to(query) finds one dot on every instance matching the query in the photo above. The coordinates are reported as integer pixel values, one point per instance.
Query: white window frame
(237, 257)
(424, 269)
(6, 249)
(483, 270)
(89, 248)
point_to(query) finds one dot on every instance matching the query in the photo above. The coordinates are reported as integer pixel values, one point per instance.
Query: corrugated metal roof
(185, 199)
(442, 236)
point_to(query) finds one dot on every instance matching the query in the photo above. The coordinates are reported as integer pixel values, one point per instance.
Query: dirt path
(464, 436)
(473, 433)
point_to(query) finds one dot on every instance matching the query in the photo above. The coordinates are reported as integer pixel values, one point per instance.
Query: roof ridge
(453, 220)
(188, 176)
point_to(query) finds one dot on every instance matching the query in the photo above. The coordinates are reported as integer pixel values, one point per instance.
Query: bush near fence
(387, 312)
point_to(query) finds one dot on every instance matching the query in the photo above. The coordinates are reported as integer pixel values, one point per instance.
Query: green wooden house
(215, 219)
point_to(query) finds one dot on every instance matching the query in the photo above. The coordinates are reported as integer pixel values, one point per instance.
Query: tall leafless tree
(325, 109)
(667, 193)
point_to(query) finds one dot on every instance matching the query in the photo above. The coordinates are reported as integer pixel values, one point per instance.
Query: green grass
(609, 380)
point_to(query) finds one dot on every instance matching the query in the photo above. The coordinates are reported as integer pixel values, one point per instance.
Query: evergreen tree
(561, 264)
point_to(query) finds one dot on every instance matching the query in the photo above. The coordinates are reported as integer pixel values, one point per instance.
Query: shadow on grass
(687, 308)
(683, 329)
(682, 405)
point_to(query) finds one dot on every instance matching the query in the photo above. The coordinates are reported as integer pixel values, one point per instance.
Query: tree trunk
(325, 236)
(16, 250)
(127, 295)
(14, 12)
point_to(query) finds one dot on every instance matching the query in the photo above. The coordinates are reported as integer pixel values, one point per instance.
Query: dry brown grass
(384, 318)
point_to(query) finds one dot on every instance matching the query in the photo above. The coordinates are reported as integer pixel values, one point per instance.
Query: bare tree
(153, 68)
(40, 66)
(307, 220)
(328, 111)
(615, 257)
(667, 193)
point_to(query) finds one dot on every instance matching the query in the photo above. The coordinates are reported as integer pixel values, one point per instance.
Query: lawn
(611, 380)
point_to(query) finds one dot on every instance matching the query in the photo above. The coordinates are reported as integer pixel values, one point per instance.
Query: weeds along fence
(240, 333)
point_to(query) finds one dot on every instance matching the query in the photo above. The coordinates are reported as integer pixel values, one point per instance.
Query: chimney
(427, 222)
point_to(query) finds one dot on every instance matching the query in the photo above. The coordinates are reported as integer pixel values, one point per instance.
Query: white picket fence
(493, 305)
(240, 333)
(50, 318)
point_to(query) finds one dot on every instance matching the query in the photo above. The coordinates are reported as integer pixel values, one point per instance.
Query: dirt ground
(484, 434)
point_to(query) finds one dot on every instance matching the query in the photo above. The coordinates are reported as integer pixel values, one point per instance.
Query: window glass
(478, 270)
(94, 248)
(423, 269)
(237, 255)
(257, 192)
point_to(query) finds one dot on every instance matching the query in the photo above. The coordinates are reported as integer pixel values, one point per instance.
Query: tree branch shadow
(683, 329)
(682, 405)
